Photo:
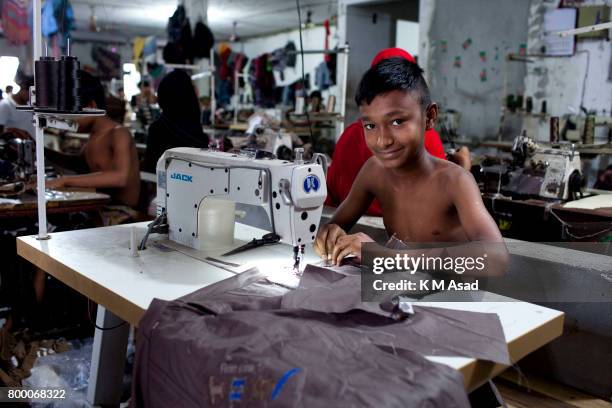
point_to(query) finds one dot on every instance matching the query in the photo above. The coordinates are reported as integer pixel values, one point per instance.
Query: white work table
(97, 263)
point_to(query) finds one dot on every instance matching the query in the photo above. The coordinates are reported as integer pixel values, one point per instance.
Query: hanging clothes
(203, 40)
(179, 49)
(323, 77)
(137, 48)
(290, 52)
(15, 21)
(175, 24)
(326, 44)
(57, 20)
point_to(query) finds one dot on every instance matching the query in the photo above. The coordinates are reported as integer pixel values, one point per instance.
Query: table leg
(107, 359)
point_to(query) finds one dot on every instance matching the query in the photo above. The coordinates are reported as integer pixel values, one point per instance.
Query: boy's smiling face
(394, 126)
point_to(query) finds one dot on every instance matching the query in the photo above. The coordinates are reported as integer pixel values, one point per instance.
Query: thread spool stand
(51, 115)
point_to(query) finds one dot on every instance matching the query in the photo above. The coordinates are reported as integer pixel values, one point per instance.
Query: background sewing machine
(535, 171)
(18, 159)
(280, 196)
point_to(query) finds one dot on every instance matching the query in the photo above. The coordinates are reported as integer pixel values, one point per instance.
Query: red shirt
(351, 153)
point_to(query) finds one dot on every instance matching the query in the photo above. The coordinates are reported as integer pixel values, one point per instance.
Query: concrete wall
(454, 33)
(366, 37)
(561, 81)
(368, 26)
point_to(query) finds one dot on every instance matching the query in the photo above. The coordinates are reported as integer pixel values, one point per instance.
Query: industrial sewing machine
(19, 156)
(287, 195)
(535, 171)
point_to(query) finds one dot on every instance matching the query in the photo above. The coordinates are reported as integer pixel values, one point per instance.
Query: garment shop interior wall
(368, 26)
(560, 80)
(459, 78)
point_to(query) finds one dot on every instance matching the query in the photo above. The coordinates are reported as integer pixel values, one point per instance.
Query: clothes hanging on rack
(175, 24)
(264, 82)
(15, 21)
(291, 56)
(323, 77)
(326, 44)
(179, 49)
(203, 40)
(332, 63)
(57, 19)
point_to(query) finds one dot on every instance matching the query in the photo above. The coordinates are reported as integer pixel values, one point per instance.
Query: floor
(531, 391)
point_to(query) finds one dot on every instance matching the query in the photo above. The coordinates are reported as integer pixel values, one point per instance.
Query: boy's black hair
(392, 74)
(91, 89)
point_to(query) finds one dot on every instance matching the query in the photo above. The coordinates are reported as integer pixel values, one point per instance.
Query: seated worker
(141, 103)
(10, 117)
(423, 198)
(351, 151)
(110, 153)
(179, 124)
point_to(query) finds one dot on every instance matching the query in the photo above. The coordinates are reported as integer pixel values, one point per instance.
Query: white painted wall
(560, 80)
(407, 36)
(495, 28)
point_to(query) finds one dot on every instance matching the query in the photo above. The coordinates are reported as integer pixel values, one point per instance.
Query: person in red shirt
(351, 151)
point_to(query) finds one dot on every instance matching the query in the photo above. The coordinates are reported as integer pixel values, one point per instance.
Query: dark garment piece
(172, 54)
(175, 24)
(332, 62)
(203, 40)
(291, 55)
(179, 35)
(185, 43)
(430, 331)
(235, 343)
(231, 345)
(262, 81)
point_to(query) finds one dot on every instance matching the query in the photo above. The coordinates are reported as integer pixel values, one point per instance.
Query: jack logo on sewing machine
(311, 183)
(182, 177)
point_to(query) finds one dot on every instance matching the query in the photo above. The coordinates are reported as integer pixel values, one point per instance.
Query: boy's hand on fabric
(347, 245)
(326, 240)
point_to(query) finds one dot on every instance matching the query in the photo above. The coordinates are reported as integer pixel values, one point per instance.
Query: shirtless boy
(423, 198)
(110, 152)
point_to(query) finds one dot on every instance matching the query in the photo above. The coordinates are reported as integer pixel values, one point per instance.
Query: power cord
(96, 325)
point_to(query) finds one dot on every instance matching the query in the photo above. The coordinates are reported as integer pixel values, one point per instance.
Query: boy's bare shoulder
(371, 171)
(451, 175)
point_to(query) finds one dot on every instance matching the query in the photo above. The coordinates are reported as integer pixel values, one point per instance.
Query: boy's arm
(347, 214)
(473, 215)
(358, 200)
(479, 227)
(116, 178)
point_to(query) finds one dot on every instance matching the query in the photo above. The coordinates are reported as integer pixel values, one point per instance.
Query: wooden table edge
(477, 372)
(120, 306)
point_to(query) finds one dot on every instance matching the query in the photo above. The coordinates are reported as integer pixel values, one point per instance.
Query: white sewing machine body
(290, 194)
